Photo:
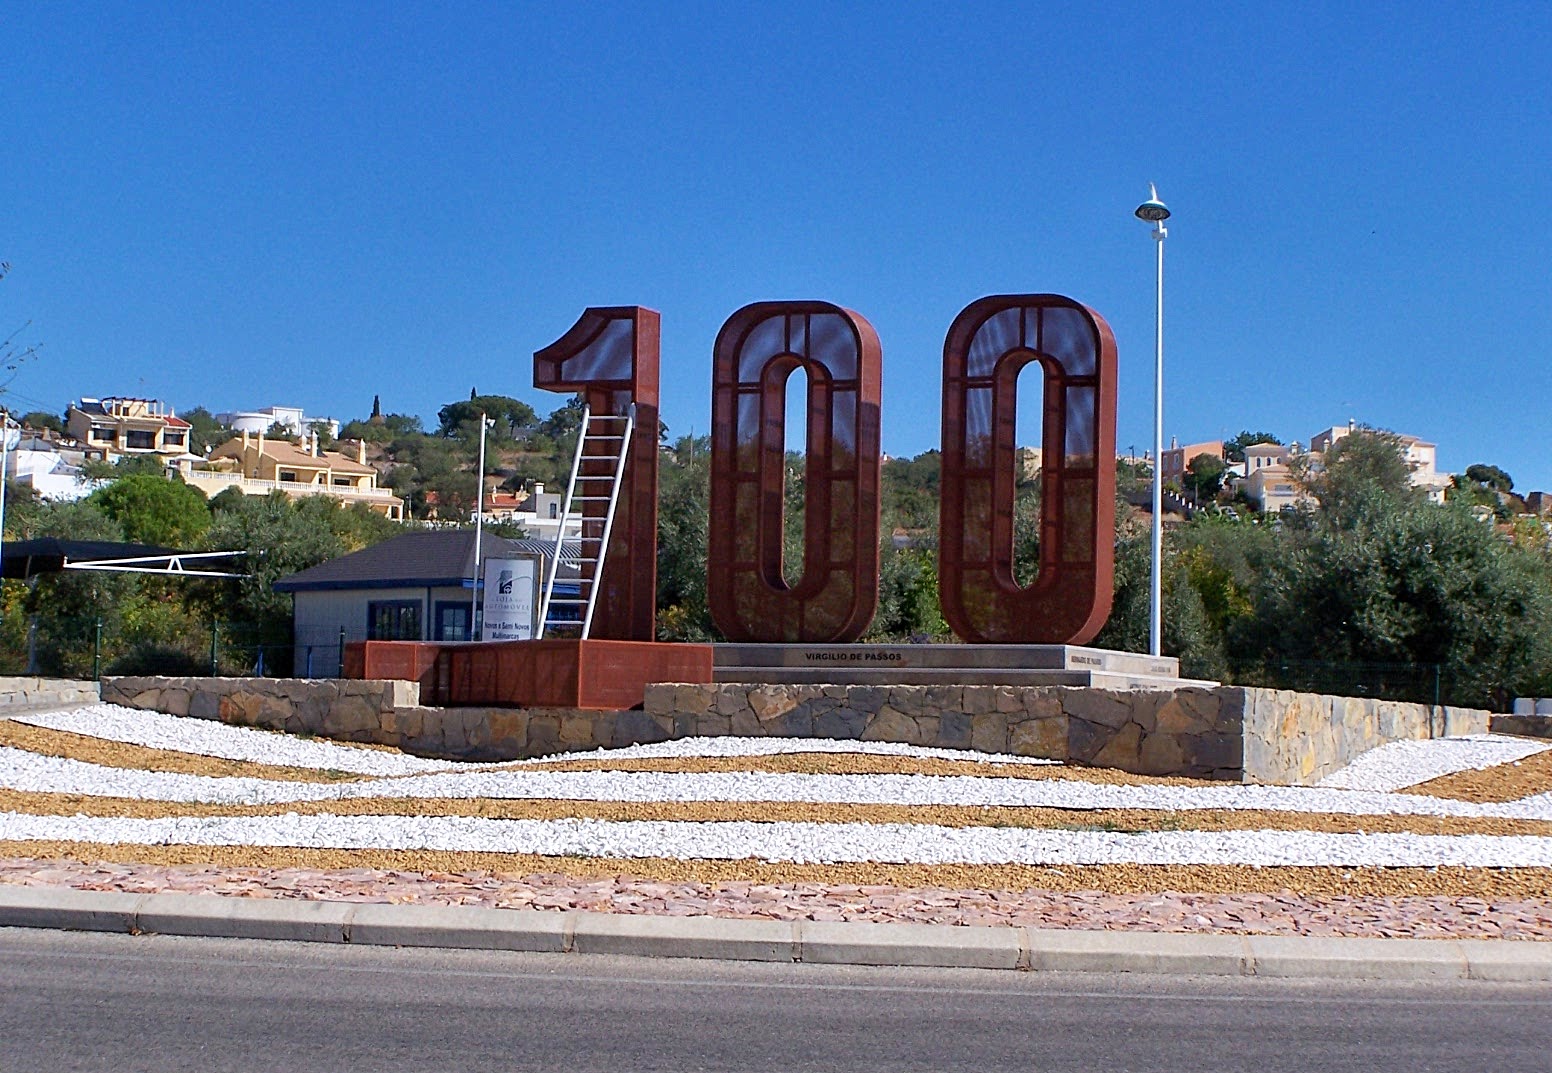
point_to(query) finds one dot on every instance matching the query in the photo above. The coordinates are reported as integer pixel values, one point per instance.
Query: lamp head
(1153, 210)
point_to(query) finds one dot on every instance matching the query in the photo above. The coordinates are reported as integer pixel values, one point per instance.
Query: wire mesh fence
(1422, 683)
(90, 647)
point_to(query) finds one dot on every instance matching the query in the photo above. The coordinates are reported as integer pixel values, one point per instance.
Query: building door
(452, 621)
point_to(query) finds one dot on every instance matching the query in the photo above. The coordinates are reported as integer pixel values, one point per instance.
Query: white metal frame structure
(603, 438)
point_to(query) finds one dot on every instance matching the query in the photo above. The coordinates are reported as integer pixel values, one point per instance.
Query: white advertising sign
(511, 593)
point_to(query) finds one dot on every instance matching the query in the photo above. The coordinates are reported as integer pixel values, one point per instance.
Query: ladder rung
(567, 600)
(608, 417)
(591, 499)
(597, 458)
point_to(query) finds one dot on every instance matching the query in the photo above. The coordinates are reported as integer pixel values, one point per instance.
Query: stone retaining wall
(1228, 732)
(27, 692)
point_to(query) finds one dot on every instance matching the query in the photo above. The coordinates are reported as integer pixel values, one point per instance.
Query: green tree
(1490, 477)
(1204, 475)
(1415, 584)
(205, 431)
(42, 419)
(511, 415)
(1364, 474)
(154, 510)
(682, 540)
(1234, 450)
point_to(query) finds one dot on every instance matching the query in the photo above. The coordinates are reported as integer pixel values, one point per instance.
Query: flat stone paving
(1264, 914)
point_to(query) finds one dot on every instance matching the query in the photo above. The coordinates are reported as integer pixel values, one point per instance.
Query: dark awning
(22, 559)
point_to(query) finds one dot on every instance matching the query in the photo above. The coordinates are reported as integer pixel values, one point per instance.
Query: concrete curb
(802, 941)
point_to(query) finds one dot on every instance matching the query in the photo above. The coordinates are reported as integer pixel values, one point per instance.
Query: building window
(173, 439)
(106, 435)
(393, 620)
(288, 475)
(342, 482)
(452, 621)
(554, 510)
(139, 439)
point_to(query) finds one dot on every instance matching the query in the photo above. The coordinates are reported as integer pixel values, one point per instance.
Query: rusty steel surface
(610, 356)
(989, 343)
(598, 675)
(757, 350)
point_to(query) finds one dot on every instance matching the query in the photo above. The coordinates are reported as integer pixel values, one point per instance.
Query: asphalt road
(73, 1001)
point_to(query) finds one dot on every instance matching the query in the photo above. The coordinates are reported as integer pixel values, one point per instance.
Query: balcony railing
(211, 482)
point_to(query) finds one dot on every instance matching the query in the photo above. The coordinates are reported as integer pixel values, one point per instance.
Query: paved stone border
(803, 941)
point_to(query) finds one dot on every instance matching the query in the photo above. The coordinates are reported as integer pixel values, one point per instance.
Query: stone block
(1160, 754)
(1357, 959)
(891, 725)
(746, 724)
(917, 945)
(942, 698)
(459, 927)
(867, 699)
(843, 723)
(732, 700)
(1123, 750)
(576, 729)
(204, 705)
(245, 918)
(979, 700)
(69, 910)
(693, 699)
(635, 728)
(954, 730)
(634, 935)
(1045, 739)
(1100, 707)
(771, 702)
(1007, 699)
(1085, 739)
(1132, 951)
(1214, 751)
(988, 731)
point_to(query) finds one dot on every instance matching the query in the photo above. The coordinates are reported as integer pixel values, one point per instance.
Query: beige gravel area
(1503, 782)
(1120, 820)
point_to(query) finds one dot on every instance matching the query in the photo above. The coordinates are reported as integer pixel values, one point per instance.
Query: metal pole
(215, 648)
(479, 529)
(5, 452)
(97, 651)
(1155, 212)
(1155, 623)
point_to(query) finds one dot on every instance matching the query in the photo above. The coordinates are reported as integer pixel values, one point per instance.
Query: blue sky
(299, 204)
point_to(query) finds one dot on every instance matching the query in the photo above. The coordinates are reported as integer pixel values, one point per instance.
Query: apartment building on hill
(119, 425)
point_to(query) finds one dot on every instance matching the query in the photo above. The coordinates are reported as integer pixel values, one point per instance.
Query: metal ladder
(596, 473)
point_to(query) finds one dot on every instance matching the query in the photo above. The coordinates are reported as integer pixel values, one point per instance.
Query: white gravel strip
(798, 842)
(1399, 764)
(681, 748)
(24, 771)
(205, 737)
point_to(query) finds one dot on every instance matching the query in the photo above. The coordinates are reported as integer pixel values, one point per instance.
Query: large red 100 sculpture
(758, 348)
(987, 345)
(611, 355)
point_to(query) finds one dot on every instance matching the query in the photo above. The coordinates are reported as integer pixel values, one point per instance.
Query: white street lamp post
(8, 440)
(1154, 211)
(479, 528)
